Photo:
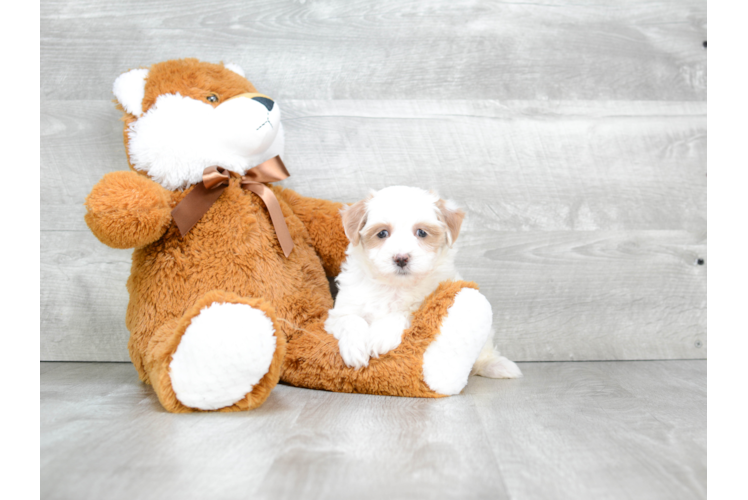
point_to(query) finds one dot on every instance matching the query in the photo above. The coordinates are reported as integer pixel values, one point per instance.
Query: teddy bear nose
(268, 103)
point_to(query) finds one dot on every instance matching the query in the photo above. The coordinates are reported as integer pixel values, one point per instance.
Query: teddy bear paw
(222, 355)
(464, 331)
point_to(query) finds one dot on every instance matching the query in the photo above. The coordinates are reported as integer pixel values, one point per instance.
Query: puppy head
(403, 232)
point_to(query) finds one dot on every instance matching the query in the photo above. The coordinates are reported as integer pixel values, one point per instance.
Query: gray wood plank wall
(574, 133)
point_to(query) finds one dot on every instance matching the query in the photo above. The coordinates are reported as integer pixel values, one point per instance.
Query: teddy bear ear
(129, 89)
(235, 68)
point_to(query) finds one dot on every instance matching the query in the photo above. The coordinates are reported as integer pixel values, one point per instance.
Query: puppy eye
(212, 98)
(383, 233)
(421, 233)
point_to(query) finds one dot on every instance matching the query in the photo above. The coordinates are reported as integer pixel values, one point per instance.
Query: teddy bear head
(182, 116)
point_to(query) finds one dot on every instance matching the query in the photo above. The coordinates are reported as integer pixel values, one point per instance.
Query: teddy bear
(229, 287)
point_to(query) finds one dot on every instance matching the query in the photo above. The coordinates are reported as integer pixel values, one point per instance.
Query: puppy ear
(129, 89)
(452, 216)
(354, 219)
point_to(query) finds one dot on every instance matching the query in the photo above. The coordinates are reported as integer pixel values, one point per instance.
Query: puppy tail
(491, 364)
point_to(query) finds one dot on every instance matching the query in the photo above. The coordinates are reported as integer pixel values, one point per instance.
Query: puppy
(401, 248)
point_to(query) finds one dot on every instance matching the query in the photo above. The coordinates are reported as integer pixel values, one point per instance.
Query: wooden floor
(597, 430)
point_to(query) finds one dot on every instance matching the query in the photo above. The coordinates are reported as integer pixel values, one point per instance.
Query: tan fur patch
(354, 219)
(370, 238)
(192, 78)
(435, 239)
(452, 218)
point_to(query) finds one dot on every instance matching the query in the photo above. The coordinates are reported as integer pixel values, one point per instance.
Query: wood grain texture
(334, 445)
(390, 49)
(514, 165)
(599, 430)
(80, 142)
(83, 298)
(592, 295)
(610, 430)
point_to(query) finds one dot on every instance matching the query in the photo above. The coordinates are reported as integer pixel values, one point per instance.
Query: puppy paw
(354, 351)
(386, 334)
(351, 332)
(499, 367)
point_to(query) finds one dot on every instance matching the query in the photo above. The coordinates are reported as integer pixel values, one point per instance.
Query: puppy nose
(265, 101)
(401, 260)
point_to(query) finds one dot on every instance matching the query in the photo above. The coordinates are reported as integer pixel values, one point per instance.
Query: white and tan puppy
(401, 248)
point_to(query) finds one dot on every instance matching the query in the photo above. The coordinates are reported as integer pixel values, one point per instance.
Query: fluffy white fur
(179, 137)
(235, 68)
(376, 297)
(129, 89)
(448, 360)
(224, 352)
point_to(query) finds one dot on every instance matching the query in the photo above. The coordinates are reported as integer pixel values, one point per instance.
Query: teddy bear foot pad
(223, 354)
(448, 360)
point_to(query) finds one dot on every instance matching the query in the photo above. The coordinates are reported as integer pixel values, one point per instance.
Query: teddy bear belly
(166, 280)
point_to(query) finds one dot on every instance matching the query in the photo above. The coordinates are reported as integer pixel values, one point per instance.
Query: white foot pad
(448, 360)
(224, 352)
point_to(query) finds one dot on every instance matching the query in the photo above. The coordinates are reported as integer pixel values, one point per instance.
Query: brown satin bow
(216, 179)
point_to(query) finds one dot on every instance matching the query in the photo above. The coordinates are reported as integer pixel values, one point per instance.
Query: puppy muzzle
(401, 260)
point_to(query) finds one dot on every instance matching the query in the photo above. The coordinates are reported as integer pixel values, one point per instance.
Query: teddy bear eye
(212, 98)
(383, 233)
(421, 233)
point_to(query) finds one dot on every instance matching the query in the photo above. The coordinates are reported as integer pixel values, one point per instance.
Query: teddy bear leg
(224, 353)
(434, 358)
(464, 331)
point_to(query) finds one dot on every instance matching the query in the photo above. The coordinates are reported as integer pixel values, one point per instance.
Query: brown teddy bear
(228, 288)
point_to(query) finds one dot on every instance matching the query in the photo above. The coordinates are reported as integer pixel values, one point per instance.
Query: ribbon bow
(216, 179)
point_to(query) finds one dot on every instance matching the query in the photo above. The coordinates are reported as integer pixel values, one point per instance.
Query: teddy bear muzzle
(252, 120)
(179, 137)
(266, 101)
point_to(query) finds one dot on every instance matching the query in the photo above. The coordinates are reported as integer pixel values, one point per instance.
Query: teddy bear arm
(433, 359)
(322, 220)
(128, 210)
